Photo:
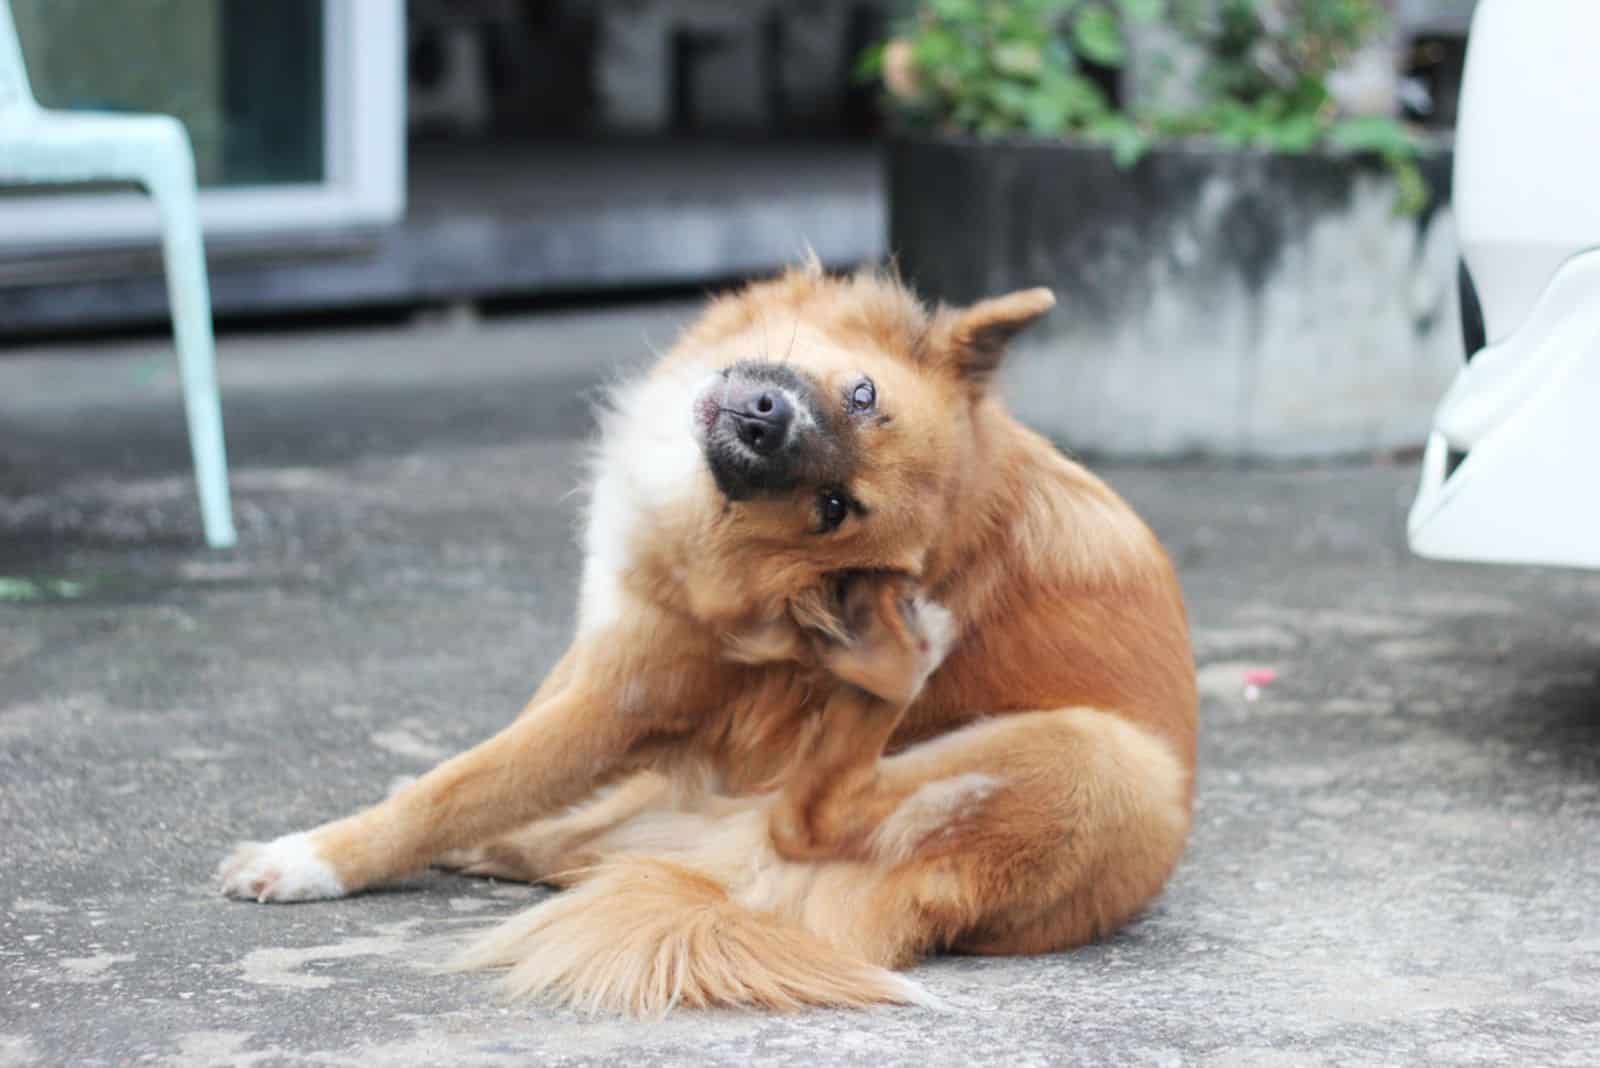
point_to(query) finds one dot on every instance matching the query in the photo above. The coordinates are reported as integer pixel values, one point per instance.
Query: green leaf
(993, 126)
(1079, 98)
(955, 10)
(1017, 59)
(1411, 194)
(936, 47)
(1018, 25)
(1010, 99)
(1128, 142)
(1141, 10)
(1183, 123)
(1128, 150)
(966, 113)
(869, 67)
(1308, 95)
(1295, 134)
(1236, 124)
(1096, 35)
(1372, 133)
(1044, 116)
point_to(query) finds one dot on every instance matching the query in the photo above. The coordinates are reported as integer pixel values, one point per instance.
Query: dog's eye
(832, 508)
(863, 397)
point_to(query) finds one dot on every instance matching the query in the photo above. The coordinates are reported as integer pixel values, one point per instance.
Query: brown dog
(863, 670)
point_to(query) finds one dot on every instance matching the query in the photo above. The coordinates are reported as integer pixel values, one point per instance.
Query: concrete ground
(1395, 859)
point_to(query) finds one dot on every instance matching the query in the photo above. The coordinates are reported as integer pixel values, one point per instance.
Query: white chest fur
(648, 461)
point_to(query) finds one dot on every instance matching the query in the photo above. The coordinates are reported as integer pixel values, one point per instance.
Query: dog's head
(840, 424)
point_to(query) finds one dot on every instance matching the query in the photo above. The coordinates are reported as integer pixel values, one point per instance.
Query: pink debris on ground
(1260, 676)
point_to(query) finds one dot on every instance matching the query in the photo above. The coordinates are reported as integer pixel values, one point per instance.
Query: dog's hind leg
(1019, 834)
(1026, 833)
(831, 798)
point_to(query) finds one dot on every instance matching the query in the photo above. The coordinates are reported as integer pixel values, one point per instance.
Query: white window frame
(363, 156)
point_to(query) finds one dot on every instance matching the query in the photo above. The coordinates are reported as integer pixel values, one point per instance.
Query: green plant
(1265, 81)
(1018, 66)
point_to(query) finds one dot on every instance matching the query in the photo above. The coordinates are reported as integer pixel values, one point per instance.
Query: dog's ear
(974, 339)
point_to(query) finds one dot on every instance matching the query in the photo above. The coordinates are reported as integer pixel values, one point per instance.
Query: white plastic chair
(40, 146)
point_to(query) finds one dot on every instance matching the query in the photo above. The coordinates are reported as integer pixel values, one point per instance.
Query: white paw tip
(284, 869)
(937, 628)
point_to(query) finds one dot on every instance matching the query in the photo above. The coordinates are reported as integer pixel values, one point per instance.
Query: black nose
(762, 418)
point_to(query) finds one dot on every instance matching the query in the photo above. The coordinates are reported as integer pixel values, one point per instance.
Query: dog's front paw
(284, 869)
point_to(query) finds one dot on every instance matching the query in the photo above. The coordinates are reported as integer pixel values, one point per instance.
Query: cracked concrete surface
(1395, 857)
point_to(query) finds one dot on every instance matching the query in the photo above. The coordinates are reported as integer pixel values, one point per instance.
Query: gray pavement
(1395, 858)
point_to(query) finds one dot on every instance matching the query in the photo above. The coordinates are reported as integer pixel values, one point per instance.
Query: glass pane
(245, 76)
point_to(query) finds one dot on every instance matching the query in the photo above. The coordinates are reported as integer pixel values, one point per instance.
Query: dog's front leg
(552, 756)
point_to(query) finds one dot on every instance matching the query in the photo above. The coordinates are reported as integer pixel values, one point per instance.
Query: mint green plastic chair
(39, 146)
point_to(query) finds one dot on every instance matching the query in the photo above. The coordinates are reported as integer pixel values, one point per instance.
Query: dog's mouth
(708, 408)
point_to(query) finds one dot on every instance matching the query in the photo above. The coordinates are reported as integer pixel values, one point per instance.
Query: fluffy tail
(643, 936)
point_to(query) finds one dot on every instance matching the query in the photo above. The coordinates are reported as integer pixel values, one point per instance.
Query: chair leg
(189, 293)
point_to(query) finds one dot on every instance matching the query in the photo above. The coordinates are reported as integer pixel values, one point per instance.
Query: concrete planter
(1213, 301)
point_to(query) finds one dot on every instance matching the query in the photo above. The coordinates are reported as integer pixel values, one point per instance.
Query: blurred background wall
(372, 153)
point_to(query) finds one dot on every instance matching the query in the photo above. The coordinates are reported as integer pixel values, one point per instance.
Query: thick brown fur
(776, 764)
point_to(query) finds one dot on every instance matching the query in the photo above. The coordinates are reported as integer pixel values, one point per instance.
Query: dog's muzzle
(752, 421)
